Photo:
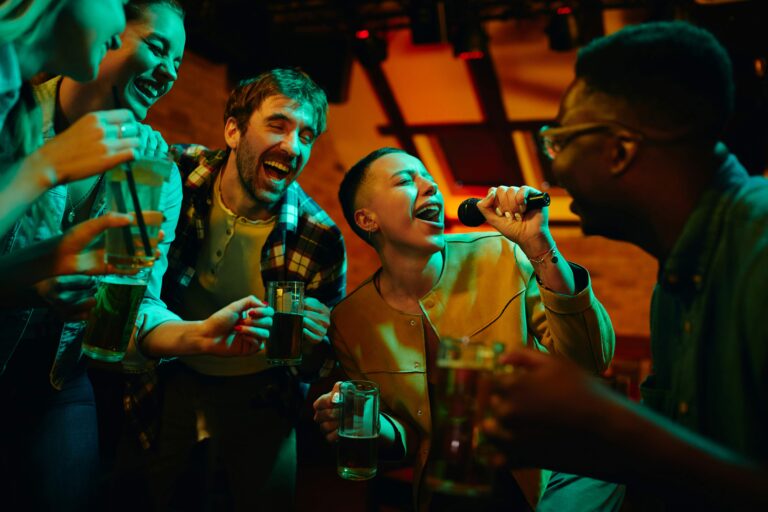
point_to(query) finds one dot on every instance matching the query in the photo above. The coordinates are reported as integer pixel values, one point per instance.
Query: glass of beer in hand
(284, 343)
(357, 456)
(465, 369)
(112, 321)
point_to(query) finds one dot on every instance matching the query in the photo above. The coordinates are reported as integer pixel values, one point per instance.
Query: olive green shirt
(709, 317)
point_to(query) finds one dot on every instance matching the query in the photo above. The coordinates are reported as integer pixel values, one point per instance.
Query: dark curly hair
(672, 74)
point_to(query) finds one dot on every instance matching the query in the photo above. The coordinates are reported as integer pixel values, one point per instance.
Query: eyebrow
(166, 43)
(279, 116)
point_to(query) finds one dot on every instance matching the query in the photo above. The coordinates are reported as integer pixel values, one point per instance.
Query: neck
(236, 198)
(406, 278)
(657, 229)
(76, 99)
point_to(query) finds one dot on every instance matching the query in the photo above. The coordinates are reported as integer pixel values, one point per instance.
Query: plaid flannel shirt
(305, 244)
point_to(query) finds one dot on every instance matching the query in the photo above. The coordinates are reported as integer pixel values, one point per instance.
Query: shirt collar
(689, 260)
(211, 162)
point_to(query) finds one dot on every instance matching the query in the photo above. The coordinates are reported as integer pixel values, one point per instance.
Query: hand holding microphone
(518, 213)
(469, 213)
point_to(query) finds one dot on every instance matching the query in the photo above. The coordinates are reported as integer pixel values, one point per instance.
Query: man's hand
(546, 412)
(72, 297)
(327, 413)
(235, 330)
(317, 318)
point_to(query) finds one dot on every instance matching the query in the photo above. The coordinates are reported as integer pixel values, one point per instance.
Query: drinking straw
(134, 194)
(117, 193)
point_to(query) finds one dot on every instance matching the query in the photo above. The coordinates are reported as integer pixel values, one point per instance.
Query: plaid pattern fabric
(305, 245)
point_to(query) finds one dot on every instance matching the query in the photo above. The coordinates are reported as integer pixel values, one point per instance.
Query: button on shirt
(225, 273)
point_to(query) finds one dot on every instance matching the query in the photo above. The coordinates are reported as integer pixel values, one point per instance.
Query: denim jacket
(15, 322)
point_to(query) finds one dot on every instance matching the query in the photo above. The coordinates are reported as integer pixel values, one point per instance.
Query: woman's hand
(95, 143)
(72, 297)
(505, 209)
(327, 413)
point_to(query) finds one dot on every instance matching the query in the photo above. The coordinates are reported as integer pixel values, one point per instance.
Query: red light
(564, 10)
(362, 34)
(476, 54)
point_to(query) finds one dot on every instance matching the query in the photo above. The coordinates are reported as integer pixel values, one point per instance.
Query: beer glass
(284, 343)
(462, 391)
(136, 188)
(357, 452)
(112, 321)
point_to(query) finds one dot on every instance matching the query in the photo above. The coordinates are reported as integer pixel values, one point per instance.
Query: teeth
(148, 88)
(428, 212)
(278, 166)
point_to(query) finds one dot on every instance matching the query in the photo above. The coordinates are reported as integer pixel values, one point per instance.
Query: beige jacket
(487, 291)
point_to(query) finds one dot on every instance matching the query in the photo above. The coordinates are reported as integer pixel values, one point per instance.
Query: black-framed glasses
(554, 138)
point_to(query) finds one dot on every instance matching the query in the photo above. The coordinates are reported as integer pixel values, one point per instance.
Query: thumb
(525, 358)
(247, 302)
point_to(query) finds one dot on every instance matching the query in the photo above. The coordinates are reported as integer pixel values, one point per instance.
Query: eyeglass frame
(546, 139)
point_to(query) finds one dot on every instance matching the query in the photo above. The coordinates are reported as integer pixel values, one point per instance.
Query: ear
(366, 220)
(623, 153)
(231, 133)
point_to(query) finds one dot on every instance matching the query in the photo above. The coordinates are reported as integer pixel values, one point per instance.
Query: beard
(248, 164)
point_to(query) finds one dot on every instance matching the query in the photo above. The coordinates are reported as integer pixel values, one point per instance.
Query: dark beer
(112, 320)
(357, 457)
(456, 459)
(284, 344)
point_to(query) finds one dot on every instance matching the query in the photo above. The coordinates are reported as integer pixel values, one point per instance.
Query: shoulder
(360, 296)
(313, 214)
(196, 157)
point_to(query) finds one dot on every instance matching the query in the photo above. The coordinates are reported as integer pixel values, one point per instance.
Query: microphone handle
(537, 201)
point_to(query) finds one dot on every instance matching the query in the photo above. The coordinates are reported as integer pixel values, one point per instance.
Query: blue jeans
(49, 443)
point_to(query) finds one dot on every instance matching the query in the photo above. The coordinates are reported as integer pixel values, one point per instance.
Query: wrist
(44, 173)
(194, 340)
(538, 245)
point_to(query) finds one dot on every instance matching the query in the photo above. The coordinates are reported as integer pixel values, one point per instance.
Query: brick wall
(622, 275)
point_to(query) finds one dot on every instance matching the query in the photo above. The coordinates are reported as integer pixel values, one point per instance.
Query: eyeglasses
(553, 139)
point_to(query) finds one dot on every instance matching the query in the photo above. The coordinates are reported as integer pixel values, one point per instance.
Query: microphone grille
(469, 214)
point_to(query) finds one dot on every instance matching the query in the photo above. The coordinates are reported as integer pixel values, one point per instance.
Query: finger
(247, 302)
(85, 232)
(261, 311)
(314, 327)
(116, 116)
(488, 201)
(256, 334)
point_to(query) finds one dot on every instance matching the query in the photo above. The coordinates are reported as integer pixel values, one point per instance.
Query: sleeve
(405, 434)
(152, 310)
(574, 326)
(329, 284)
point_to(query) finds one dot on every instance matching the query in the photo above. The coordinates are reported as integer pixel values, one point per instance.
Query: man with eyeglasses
(638, 149)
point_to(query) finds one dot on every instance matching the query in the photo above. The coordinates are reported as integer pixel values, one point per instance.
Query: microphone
(469, 213)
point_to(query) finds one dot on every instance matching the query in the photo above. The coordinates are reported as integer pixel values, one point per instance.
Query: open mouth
(277, 170)
(429, 213)
(150, 89)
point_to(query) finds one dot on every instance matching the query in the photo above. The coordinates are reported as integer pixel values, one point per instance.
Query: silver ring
(120, 130)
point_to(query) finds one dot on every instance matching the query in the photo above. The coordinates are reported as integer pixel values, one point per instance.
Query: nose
(429, 187)
(167, 71)
(290, 143)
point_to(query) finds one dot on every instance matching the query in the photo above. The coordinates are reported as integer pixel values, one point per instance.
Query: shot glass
(284, 343)
(357, 451)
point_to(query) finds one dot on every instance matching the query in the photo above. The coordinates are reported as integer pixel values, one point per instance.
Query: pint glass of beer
(284, 343)
(112, 321)
(136, 188)
(357, 455)
(462, 391)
